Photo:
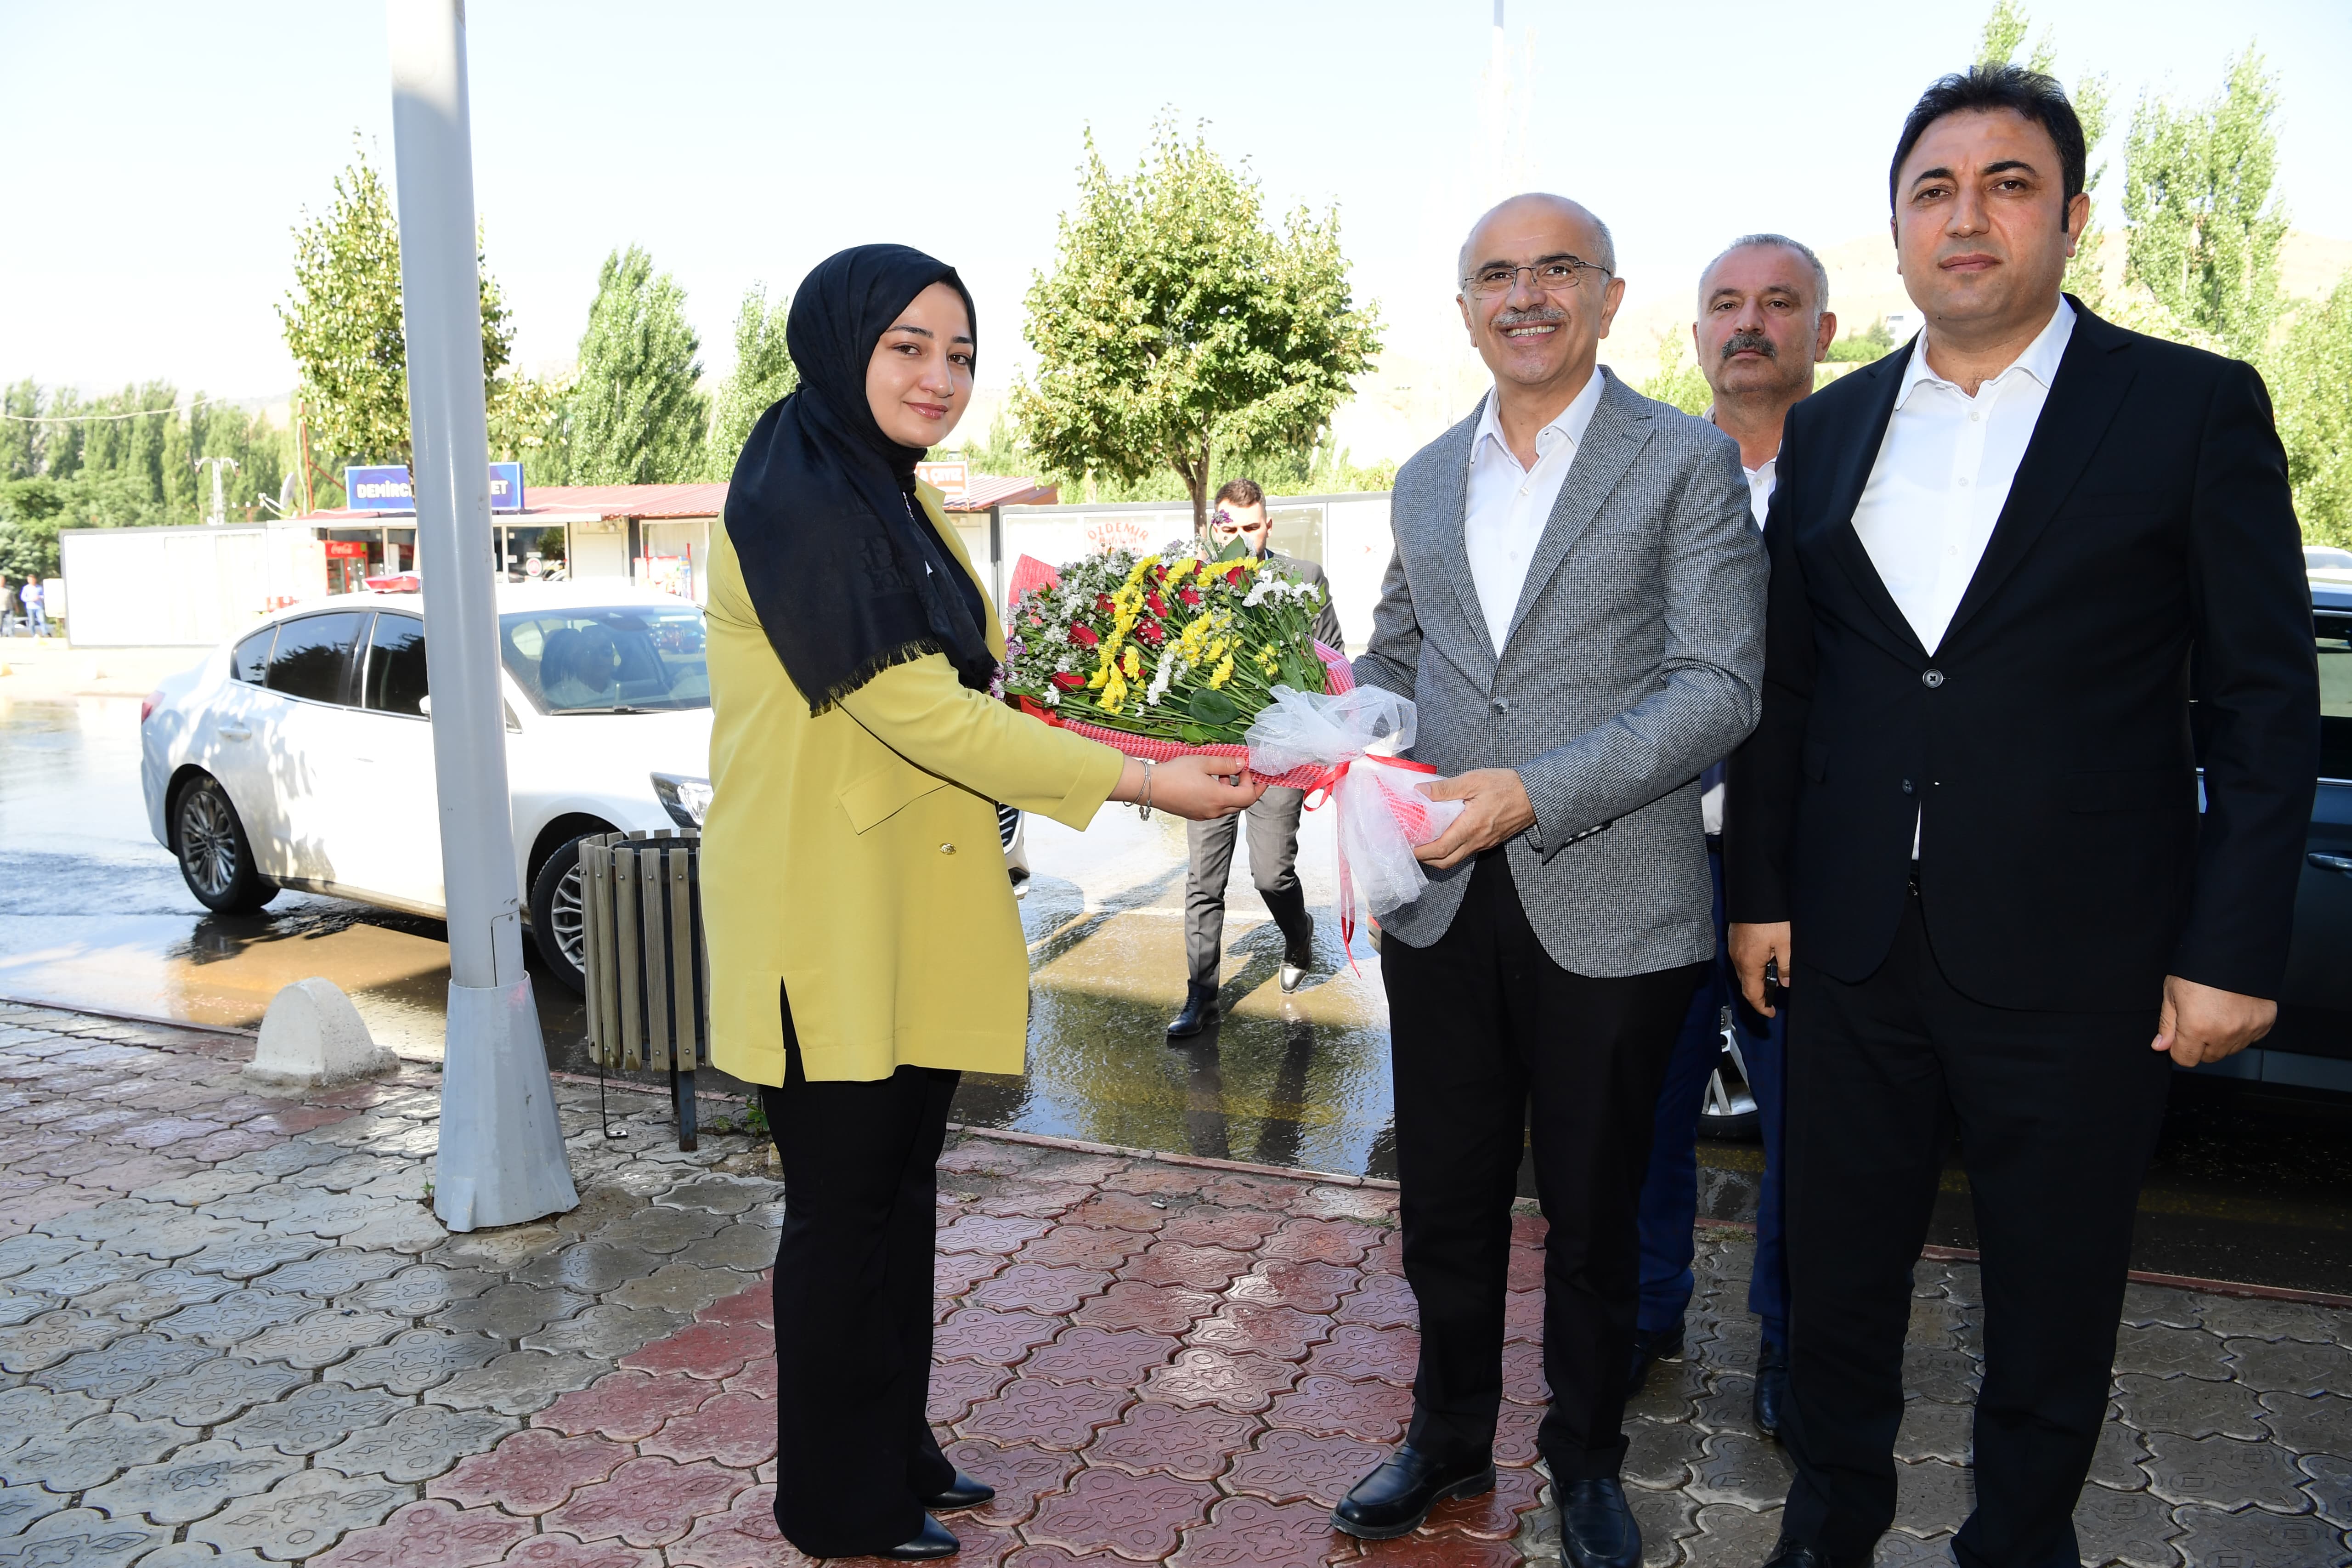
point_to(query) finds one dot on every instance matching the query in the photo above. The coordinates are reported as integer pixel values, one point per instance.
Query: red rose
(1189, 598)
(1151, 633)
(1102, 603)
(1158, 606)
(1085, 635)
(1069, 682)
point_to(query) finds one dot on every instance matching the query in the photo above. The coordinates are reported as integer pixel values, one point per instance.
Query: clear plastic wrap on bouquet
(1383, 812)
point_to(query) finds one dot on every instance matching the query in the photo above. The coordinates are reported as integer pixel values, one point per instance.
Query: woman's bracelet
(1143, 807)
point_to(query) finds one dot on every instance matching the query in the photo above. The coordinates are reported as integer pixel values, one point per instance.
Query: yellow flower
(1182, 570)
(1101, 674)
(1224, 673)
(1132, 664)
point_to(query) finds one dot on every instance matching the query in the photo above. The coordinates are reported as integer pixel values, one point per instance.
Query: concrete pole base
(501, 1158)
(312, 1038)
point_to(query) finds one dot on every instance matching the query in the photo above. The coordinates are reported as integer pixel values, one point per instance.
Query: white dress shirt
(1508, 504)
(1943, 475)
(1759, 487)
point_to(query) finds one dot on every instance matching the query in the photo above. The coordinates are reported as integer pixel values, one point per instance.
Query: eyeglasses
(1226, 523)
(1556, 275)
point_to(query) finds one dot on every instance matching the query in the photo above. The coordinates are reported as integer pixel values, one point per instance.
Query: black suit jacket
(2147, 553)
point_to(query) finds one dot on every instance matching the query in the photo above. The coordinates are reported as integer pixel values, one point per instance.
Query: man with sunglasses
(1273, 821)
(1576, 607)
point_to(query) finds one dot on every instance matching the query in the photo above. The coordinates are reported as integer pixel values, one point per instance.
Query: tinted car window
(595, 660)
(2335, 637)
(313, 656)
(395, 665)
(250, 660)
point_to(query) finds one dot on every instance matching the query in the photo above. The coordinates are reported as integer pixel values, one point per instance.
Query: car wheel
(215, 858)
(1728, 1111)
(556, 927)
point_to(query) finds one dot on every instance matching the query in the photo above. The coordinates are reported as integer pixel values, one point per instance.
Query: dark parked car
(2312, 1045)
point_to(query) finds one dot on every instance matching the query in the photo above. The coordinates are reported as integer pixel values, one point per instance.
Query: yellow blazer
(852, 858)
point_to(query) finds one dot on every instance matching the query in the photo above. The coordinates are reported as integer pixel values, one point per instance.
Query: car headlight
(686, 799)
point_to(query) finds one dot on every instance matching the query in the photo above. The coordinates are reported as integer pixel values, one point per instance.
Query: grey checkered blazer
(1634, 659)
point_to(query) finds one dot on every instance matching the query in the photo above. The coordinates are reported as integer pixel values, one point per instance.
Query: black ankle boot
(1200, 1009)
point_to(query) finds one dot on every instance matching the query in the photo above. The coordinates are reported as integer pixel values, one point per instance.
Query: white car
(302, 755)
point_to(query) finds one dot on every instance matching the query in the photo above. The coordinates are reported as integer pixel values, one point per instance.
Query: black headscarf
(847, 574)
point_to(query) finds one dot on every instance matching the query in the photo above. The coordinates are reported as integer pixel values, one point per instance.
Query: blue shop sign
(506, 487)
(387, 488)
(384, 489)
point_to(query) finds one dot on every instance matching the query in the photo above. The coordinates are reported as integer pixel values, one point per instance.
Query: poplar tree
(636, 414)
(763, 372)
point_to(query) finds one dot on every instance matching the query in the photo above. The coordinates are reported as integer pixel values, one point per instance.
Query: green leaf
(1213, 707)
(1195, 736)
(1234, 549)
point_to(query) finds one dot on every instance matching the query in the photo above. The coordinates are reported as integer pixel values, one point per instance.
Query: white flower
(1053, 697)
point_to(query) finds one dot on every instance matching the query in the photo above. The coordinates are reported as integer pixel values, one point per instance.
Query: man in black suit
(2004, 562)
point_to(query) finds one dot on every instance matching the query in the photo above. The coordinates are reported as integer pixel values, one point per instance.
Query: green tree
(2204, 231)
(763, 372)
(2311, 383)
(1875, 341)
(636, 414)
(1679, 380)
(530, 423)
(1178, 331)
(2004, 29)
(342, 323)
(20, 435)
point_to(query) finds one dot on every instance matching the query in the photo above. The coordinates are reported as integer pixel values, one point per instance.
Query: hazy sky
(163, 152)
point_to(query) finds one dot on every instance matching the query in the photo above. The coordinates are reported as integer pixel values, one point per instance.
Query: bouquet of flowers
(1164, 655)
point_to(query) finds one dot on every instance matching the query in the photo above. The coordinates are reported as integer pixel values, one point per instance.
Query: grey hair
(1820, 273)
(1606, 259)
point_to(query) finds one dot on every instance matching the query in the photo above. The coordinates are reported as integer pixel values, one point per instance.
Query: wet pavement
(235, 1335)
(2251, 1182)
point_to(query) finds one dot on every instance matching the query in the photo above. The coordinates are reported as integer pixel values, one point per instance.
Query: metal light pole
(501, 1158)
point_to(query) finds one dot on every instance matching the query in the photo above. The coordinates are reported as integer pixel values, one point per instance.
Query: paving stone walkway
(231, 1333)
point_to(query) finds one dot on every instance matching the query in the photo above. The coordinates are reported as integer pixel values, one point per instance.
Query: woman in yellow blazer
(865, 948)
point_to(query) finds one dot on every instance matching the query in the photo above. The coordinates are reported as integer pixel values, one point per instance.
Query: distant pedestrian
(1273, 821)
(36, 620)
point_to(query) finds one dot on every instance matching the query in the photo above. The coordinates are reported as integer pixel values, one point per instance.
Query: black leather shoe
(1596, 1527)
(1771, 1389)
(936, 1541)
(961, 1492)
(1298, 958)
(1200, 1009)
(1651, 1347)
(1787, 1553)
(1395, 1499)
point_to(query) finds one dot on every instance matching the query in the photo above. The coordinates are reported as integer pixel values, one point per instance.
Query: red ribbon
(1329, 783)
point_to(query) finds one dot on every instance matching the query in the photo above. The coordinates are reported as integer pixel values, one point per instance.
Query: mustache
(1750, 343)
(1542, 315)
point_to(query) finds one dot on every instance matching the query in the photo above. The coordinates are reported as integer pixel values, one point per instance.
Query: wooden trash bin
(648, 970)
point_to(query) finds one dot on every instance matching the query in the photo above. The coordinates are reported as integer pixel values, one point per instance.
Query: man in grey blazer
(1576, 607)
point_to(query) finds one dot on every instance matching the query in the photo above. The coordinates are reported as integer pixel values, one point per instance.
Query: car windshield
(620, 658)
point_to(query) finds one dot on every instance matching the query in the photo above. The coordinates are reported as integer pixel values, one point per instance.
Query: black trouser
(1273, 866)
(1480, 1021)
(854, 1450)
(2057, 1113)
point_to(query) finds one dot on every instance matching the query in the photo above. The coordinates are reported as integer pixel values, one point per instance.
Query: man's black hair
(1982, 88)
